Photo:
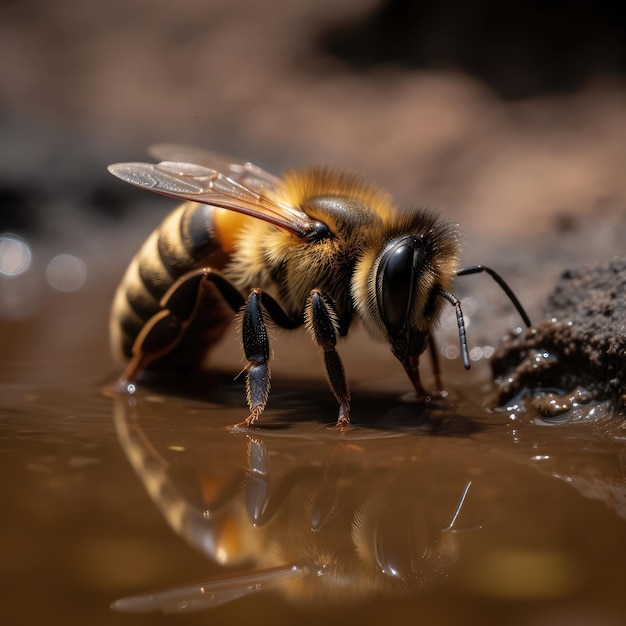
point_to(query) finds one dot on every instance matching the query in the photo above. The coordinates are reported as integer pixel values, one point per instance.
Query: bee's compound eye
(394, 283)
(318, 232)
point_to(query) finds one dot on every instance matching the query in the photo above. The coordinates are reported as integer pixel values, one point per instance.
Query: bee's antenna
(477, 269)
(456, 303)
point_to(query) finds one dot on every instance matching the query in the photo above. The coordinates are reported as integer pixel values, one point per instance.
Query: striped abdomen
(185, 240)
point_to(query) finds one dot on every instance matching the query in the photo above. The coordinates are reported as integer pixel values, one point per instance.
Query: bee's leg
(257, 350)
(160, 334)
(322, 322)
(164, 330)
(256, 347)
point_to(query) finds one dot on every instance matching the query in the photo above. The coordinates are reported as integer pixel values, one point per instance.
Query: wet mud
(578, 353)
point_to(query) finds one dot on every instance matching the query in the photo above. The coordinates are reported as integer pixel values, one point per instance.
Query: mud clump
(578, 354)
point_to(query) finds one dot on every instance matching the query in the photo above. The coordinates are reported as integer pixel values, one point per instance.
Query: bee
(316, 247)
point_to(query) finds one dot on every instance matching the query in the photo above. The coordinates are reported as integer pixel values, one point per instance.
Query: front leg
(322, 322)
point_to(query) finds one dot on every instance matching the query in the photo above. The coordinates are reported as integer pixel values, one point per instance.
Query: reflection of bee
(316, 247)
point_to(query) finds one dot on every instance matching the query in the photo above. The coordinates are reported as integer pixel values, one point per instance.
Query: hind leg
(164, 330)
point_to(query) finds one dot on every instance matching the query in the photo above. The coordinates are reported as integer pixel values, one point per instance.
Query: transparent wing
(209, 594)
(244, 188)
(246, 173)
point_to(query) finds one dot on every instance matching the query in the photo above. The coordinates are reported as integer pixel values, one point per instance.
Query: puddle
(441, 510)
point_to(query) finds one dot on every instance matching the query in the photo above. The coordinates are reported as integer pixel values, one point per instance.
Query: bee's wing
(209, 594)
(244, 187)
(244, 172)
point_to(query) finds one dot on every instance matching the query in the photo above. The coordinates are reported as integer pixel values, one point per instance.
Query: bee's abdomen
(184, 241)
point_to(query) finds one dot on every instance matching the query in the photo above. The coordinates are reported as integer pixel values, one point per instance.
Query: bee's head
(398, 286)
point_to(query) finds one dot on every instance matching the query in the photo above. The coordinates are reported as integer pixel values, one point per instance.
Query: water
(444, 512)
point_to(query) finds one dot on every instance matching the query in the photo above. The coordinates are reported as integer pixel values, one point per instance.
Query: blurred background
(507, 120)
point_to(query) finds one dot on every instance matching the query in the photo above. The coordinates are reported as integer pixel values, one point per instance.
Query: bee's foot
(343, 421)
(121, 387)
(251, 420)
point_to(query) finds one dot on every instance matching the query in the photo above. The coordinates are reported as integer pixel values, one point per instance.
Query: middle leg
(322, 322)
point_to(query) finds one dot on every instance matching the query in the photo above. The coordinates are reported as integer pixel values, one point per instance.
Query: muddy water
(443, 512)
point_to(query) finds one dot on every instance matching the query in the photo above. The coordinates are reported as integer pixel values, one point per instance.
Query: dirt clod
(578, 353)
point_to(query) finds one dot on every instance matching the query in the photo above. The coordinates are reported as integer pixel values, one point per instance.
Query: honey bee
(316, 247)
